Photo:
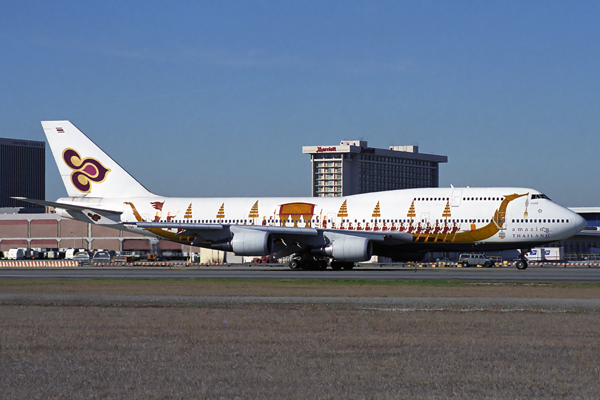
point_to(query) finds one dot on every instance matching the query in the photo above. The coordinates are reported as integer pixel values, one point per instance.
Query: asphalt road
(243, 271)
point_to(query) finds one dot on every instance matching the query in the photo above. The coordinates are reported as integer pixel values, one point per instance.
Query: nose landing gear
(522, 261)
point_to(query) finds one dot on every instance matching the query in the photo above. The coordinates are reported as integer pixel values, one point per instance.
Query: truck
(545, 254)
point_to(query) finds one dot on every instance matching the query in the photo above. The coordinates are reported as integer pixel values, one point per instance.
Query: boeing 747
(400, 224)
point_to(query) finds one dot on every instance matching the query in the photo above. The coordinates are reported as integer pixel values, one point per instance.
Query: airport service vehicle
(474, 260)
(545, 254)
(69, 253)
(52, 254)
(400, 224)
(15, 254)
(31, 254)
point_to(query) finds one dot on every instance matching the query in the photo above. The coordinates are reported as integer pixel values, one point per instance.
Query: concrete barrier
(40, 263)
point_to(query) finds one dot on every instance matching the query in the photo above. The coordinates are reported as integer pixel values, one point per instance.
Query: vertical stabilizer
(86, 170)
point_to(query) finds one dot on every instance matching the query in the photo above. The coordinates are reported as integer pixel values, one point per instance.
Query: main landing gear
(522, 261)
(310, 263)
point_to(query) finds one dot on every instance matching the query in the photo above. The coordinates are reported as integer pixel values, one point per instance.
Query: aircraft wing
(277, 231)
(310, 236)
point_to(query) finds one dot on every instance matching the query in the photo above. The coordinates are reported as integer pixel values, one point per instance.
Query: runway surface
(244, 271)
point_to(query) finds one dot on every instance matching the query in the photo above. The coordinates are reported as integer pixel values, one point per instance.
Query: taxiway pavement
(245, 271)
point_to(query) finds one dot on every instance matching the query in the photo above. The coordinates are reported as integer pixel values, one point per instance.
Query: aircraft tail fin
(85, 169)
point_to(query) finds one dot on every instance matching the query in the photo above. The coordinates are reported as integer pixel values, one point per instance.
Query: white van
(15, 254)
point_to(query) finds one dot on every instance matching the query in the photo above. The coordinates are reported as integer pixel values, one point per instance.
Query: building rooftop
(360, 146)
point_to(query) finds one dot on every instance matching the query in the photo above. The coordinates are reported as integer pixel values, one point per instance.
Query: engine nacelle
(248, 242)
(348, 248)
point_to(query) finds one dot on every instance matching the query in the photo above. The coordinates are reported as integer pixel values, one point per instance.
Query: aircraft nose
(580, 222)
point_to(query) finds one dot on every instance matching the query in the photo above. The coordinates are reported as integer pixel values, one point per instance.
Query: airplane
(400, 224)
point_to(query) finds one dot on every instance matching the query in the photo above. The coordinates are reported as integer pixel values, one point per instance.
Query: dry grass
(282, 351)
(278, 352)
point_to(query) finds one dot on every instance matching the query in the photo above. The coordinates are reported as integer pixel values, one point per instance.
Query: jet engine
(248, 242)
(347, 248)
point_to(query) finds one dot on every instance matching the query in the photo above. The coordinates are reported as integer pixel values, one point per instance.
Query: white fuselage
(437, 217)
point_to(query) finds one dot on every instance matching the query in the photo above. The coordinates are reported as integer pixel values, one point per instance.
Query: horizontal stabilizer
(67, 206)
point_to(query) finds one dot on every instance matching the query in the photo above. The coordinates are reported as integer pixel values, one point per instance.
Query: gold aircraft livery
(400, 224)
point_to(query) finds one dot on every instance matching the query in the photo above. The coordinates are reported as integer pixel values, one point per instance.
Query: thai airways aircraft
(400, 224)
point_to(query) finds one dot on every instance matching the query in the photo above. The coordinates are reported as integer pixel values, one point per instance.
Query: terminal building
(352, 168)
(22, 173)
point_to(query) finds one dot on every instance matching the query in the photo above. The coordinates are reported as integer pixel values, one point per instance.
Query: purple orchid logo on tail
(85, 170)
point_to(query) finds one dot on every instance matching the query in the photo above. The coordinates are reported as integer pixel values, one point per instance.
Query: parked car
(84, 257)
(103, 257)
(474, 260)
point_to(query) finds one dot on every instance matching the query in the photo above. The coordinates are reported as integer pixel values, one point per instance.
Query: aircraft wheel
(294, 264)
(348, 266)
(521, 264)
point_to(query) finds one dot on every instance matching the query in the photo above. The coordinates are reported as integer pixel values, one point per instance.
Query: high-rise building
(22, 172)
(351, 168)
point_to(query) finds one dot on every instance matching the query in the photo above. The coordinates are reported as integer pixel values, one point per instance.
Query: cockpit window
(539, 196)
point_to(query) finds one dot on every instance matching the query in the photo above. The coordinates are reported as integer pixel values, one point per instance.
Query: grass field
(312, 352)
(298, 287)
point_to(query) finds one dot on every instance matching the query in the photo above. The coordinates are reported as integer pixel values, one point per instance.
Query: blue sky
(217, 98)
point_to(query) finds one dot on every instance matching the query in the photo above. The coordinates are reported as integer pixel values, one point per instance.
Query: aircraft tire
(294, 264)
(521, 264)
(348, 266)
(336, 266)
